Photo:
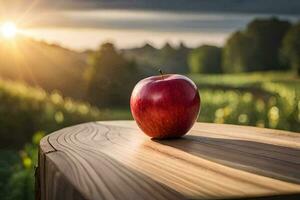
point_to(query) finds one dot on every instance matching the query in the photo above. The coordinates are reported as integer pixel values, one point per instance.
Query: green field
(251, 79)
(264, 99)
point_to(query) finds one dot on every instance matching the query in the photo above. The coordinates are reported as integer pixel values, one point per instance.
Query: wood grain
(115, 160)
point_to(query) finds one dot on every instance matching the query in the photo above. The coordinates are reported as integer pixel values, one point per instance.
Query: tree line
(265, 44)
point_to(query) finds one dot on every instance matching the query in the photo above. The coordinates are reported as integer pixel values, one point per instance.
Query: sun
(9, 29)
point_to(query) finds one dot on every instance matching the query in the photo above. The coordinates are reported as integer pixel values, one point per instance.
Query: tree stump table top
(115, 160)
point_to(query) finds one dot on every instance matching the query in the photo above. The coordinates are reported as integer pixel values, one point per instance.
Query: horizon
(193, 30)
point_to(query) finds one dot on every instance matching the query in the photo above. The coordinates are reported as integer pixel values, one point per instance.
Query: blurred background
(73, 61)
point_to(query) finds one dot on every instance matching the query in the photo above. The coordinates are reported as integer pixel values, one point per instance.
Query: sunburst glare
(9, 30)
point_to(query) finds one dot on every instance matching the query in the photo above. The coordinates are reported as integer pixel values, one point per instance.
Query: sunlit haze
(8, 29)
(130, 28)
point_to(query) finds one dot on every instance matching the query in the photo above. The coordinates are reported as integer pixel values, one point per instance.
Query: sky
(80, 25)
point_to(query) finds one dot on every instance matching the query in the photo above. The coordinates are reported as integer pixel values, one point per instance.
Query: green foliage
(205, 59)
(258, 99)
(291, 47)
(110, 78)
(267, 36)
(25, 110)
(19, 180)
(256, 48)
(235, 107)
(8, 159)
(242, 80)
(238, 53)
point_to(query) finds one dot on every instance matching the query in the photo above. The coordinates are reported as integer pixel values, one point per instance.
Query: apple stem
(161, 73)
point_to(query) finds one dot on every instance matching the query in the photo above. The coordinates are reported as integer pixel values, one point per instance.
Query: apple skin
(165, 106)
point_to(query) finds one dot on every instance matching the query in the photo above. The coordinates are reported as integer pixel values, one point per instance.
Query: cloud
(254, 6)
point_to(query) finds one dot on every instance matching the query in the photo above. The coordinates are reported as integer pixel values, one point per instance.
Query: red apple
(165, 106)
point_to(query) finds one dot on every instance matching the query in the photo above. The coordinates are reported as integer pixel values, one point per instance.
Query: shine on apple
(165, 106)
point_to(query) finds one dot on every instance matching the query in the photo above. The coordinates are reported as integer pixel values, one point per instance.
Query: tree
(110, 77)
(238, 53)
(172, 60)
(291, 47)
(267, 35)
(205, 59)
(256, 48)
(182, 58)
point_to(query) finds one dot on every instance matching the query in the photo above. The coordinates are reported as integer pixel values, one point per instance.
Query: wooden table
(115, 160)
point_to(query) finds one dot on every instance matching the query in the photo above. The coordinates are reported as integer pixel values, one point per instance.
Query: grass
(25, 110)
(264, 99)
(241, 80)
